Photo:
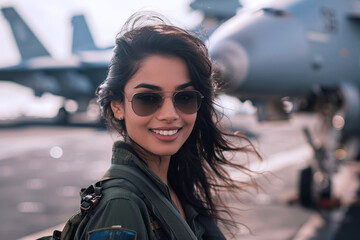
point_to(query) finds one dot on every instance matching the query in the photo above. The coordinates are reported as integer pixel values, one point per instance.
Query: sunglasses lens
(145, 104)
(187, 102)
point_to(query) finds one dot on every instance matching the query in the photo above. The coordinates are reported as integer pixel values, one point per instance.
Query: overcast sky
(50, 20)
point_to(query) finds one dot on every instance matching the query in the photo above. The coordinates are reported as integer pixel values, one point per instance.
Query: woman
(159, 96)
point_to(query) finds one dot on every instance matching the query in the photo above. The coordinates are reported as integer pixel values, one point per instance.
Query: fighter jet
(74, 79)
(83, 44)
(303, 54)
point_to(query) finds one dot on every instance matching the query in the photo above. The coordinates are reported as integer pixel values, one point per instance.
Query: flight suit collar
(123, 154)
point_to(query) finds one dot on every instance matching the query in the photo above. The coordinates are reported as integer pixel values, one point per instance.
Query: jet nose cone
(257, 53)
(232, 61)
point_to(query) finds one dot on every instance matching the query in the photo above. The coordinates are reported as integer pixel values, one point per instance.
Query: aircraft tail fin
(82, 38)
(28, 44)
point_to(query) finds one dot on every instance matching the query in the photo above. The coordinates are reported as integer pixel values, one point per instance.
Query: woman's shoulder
(120, 211)
(118, 208)
(120, 189)
(121, 195)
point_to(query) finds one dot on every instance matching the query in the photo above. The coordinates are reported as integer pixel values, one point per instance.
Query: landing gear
(315, 181)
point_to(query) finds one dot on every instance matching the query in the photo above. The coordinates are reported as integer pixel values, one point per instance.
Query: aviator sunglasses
(147, 103)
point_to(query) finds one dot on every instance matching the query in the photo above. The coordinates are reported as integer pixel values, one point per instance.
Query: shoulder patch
(112, 233)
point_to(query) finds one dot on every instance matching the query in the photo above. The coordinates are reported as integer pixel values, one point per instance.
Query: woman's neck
(158, 164)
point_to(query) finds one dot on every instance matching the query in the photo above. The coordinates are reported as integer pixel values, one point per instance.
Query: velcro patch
(113, 233)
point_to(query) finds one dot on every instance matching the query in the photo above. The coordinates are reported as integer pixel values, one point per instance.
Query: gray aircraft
(75, 78)
(306, 53)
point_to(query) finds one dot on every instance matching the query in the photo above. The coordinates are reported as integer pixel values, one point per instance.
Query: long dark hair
(197, 171)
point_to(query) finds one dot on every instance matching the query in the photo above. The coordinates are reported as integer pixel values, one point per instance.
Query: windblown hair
(197, 171)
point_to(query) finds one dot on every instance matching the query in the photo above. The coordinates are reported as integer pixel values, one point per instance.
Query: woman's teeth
(165, 132)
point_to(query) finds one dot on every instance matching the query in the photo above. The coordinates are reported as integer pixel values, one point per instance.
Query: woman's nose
(167, 111)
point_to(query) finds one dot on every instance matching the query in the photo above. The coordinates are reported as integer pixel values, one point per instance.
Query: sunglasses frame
(161, 94)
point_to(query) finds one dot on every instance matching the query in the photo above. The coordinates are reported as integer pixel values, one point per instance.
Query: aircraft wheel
(306, 187)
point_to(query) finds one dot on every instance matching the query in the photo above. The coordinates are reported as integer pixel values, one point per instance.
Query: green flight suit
(121, 211)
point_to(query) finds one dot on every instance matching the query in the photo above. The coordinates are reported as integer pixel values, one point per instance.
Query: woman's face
(164, 131)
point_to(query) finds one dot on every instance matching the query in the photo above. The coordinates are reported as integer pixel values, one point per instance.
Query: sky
(50, 20)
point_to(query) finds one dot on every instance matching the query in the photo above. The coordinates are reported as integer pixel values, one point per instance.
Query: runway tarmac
(43, 168)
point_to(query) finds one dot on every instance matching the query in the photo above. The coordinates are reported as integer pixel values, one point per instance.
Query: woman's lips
(165, 132)
(165, 135)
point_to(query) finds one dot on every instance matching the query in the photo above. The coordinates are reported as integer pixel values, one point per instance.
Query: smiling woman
(159, 120)
(168, 173)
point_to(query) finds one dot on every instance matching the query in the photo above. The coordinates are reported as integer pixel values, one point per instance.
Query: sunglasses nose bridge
(169, 95)
(172, 100)
(167, 109)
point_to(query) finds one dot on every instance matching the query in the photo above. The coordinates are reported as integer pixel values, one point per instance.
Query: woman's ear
(118, 109)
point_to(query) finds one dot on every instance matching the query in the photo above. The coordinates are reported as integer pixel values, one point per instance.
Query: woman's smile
(166, 135)
(165, 132)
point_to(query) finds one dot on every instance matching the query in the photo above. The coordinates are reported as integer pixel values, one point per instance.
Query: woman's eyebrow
(157, 88)
(149, 86)
(185, 85)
